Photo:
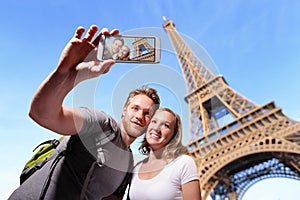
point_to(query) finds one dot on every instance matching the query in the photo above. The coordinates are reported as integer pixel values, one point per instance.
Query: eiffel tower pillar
(234, 141)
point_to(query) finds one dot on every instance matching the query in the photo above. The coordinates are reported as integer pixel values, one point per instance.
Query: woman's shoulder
(183, 160)
(186, 158)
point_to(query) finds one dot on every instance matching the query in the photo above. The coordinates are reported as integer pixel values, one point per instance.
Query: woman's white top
(167, 184)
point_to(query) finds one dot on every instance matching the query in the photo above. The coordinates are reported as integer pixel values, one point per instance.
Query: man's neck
(128, 140)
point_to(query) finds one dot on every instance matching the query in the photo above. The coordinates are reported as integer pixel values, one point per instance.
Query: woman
(167, 172)
(123, 53)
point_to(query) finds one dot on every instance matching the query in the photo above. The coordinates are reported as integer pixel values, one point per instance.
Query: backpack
(46, 149)
(39, 159)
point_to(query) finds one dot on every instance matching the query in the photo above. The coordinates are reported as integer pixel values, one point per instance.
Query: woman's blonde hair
(174, 148)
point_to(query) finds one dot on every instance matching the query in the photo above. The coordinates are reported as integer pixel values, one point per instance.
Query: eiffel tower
(234, 141)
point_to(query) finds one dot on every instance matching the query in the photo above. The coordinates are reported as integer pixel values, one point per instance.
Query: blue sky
(254, 44)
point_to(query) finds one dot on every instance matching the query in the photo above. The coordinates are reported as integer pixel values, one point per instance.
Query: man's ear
(124, 111)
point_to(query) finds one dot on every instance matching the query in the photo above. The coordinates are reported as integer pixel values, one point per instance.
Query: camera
(129, 49)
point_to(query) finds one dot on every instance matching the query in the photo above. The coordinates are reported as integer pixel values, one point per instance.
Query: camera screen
(130, 48)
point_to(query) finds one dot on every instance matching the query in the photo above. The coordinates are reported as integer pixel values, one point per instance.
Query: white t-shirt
(167, 184)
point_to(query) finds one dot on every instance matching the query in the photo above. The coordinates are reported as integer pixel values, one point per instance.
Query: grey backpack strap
(120, 191)
(51, 171)
(100, 160)
(88, 176)
(99, 144)
(103, 139)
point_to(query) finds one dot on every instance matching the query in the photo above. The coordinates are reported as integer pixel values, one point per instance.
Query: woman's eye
(153, 121)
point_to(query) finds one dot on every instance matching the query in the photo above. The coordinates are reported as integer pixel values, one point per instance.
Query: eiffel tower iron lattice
(234, 141)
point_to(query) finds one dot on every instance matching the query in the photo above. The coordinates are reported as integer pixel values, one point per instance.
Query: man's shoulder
(95, 120)
(95, 113)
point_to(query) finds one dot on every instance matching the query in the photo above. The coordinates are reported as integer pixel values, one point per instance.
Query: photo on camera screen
(136, 49)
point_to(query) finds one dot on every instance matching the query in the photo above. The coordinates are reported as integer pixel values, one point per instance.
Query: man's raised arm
(78, 62)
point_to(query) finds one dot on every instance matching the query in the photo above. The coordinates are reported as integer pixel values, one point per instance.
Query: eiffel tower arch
(234, 141)
(143, 50)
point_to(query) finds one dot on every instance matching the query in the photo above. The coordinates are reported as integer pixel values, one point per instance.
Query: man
(112, 52)
(77, 173)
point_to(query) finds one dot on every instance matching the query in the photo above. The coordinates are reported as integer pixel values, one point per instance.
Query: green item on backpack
(39, 158)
